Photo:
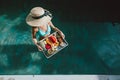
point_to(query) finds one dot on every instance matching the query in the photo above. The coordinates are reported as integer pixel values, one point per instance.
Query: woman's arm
(34, 30)
(56, 29)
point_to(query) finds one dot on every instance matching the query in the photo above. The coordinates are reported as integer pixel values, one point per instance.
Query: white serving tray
(58, 48)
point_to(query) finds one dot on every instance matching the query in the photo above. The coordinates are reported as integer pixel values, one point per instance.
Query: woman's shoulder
(35, 29)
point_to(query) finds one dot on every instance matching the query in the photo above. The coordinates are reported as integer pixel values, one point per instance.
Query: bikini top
(42, 33)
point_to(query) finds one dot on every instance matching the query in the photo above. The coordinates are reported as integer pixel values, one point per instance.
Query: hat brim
(37, 22)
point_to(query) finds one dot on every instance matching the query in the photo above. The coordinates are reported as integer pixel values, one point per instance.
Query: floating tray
(52, 44)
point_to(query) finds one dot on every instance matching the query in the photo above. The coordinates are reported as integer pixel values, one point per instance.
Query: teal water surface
(94, 47)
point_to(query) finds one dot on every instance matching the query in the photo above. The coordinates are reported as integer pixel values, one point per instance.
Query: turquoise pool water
(94, 46)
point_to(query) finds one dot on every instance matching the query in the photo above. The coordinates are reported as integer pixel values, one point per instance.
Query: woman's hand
(39, 47)
(63, 36)
(35, 41)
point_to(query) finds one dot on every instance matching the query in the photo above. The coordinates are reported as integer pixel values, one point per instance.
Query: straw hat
(38, 17)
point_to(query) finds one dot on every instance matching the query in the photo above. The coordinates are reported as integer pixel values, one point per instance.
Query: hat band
(45, 14)
(38, 17)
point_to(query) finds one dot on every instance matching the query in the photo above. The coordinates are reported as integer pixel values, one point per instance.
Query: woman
(40, 21)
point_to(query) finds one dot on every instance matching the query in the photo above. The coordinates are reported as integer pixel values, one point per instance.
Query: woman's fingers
(35, 41)
(63, 36)
(40, 48)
